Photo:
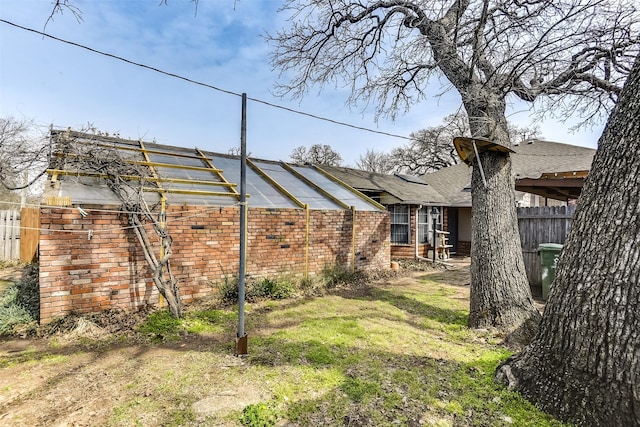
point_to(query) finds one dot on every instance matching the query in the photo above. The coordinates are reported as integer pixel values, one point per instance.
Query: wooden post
(29, 234)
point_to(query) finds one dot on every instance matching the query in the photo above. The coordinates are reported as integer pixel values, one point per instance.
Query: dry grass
(394, 351)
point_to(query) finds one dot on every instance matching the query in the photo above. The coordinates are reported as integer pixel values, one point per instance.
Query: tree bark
(500, 293)
(584, 364)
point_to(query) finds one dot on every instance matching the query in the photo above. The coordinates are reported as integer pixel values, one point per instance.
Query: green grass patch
(390, 356)
(358, 389)
(32, 357)
(470, 390)
(208, 321)
(161, 326)
(181, 418)
(259, 415)
(130, 413)
(385, 355)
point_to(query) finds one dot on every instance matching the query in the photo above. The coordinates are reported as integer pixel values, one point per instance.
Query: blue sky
(221, 45)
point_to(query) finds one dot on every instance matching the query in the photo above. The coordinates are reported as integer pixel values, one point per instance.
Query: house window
(399, 224)
(425, 224)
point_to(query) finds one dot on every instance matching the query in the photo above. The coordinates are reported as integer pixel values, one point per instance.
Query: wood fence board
(29, 234)
(544, 224)
(9, 235)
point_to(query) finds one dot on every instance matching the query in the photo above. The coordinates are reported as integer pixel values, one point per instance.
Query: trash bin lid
(550, 247)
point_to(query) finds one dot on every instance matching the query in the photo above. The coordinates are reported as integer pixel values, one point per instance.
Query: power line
(209, 86)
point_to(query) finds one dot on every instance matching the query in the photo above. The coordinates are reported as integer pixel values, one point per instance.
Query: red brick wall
(464, 248)
(409, 251)
(83, 275)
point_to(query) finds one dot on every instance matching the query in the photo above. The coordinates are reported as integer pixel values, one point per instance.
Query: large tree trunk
(500, 293)
(584, 364)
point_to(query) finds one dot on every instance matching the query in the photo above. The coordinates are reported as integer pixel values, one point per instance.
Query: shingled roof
(534, 160)
(454, 183)
(405, 188)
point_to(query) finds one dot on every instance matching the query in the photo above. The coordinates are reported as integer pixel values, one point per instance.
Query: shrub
(20, 303)
(29, 291)
(335, 275)
(311, 286)
(11, 312)
(280, 288)
(228, 289)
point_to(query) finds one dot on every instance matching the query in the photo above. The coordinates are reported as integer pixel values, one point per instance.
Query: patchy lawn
(393, 352)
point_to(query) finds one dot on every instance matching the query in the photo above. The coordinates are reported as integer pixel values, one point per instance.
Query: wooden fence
(545, 224)
(10, 235)
(19, 234)
(29, 234)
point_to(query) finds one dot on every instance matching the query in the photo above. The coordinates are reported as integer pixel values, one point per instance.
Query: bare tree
(432, 149)
(570, 56)
(236, 151)
(523, 133)
(319, 154)
(376, 162)
(24, 151)
(128, 178)
(584, 364)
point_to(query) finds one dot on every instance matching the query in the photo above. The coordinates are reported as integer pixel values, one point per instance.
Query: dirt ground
(66, 380)
(60, 381)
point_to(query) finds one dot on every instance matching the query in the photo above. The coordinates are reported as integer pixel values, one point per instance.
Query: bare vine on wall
(132, 182)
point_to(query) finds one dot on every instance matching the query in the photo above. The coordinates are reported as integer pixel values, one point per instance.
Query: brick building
(300, 220)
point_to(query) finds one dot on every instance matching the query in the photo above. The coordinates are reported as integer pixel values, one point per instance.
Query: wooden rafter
(150, 179)
(216, 171)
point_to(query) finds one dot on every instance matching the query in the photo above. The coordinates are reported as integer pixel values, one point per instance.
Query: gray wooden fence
(9, 235)
(545, 224)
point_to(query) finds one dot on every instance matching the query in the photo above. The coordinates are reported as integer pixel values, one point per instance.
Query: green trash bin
(549, 254)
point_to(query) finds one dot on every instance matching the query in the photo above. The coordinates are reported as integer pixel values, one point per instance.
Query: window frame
(400, 224)
(423, 212)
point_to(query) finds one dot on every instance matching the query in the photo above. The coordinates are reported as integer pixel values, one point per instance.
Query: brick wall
(409, 251)
(82, 274)
(464, 248)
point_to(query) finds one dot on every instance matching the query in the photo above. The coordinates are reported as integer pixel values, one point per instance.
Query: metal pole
(241, 339)
(306, 241)
(434, 239)
(475, 149)
(353, 238)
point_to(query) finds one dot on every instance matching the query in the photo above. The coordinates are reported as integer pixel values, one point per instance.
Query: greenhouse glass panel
(337, 190)
(261, 193)
(298, 188)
